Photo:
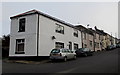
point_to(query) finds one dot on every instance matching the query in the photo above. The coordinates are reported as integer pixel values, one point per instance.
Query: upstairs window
(95, 35)
(84, 35)
(22, 25)
(20, 46)
(99, 37)
(75, 33)
(59, 29)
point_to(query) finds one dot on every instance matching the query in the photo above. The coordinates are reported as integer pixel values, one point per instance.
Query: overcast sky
(104, 15)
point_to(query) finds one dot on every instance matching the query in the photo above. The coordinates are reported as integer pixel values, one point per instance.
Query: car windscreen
(55, 51)
(81, 49)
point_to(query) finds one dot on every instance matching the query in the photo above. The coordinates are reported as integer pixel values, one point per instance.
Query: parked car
(118, 45)
(63, 54)
(114, 46)
(84, 52)
(110, 47)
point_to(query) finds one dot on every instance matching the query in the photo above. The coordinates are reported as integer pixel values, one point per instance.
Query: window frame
(70, 45)
(20, 25)
(61, 28)
(75, 44)
(85, 36)
(75, 33)
(60, 43)
(19, 42)
(91, 43)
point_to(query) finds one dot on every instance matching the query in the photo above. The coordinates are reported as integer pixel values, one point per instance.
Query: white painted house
(34, 33)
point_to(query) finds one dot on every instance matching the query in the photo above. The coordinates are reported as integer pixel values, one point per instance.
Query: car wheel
(52, 60)
(91, 54)
(65, 59)
(85, 54)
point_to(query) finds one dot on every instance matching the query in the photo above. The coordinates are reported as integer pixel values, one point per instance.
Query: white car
(63, 54)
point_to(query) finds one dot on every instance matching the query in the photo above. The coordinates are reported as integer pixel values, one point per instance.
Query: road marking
(69, 70)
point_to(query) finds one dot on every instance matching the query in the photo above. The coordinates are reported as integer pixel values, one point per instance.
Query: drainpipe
(38, 36)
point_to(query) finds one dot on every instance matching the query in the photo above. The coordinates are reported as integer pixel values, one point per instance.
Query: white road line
(69, 70)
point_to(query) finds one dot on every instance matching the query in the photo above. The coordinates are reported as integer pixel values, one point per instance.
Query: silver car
(63, 54)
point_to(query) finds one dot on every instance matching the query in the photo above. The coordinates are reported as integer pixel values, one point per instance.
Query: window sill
(19, 52)
(76, 36)
(21, 31)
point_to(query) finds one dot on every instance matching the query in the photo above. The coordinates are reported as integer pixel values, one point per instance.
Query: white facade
(40, 43)
(30, 36)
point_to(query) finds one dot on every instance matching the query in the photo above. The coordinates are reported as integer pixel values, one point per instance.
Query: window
(91, 43)
(86, 49)
(59, 29)
(99, 37)
(75, 33)
(55, 51)
(20, 46)
(85, 46)
(95, 36)
(59, 45)
(22, 25)
(75, 46)
(96, 45)
(85, 36)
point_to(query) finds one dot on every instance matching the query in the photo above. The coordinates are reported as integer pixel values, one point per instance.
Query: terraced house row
(34, 33)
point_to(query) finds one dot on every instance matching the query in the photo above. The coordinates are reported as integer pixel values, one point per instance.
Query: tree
(5, 45)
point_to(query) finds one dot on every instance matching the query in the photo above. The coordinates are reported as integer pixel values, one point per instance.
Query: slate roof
(43, 14)
(84, 29)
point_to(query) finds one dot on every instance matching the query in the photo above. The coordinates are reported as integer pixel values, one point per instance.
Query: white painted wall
(29, 35)
(47, 30)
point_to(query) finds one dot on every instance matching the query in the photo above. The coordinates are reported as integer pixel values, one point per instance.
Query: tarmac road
(100, 62)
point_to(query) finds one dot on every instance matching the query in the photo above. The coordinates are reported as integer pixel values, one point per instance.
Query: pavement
(25, 61)
(6, 60)
(100, 62)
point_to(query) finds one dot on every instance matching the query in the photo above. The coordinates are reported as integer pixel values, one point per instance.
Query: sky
(104, 15)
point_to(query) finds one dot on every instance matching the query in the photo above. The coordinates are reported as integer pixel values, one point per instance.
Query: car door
(71, 54)
(64, 52)
(89, 51)
(68, 54)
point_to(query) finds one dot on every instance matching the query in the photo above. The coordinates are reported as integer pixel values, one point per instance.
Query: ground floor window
(59, 45)
(90, 43)
(85, 46)
(20, 46)
(96, 45)
(75, 46)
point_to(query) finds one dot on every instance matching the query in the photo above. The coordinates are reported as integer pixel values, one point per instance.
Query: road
(100, 62)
